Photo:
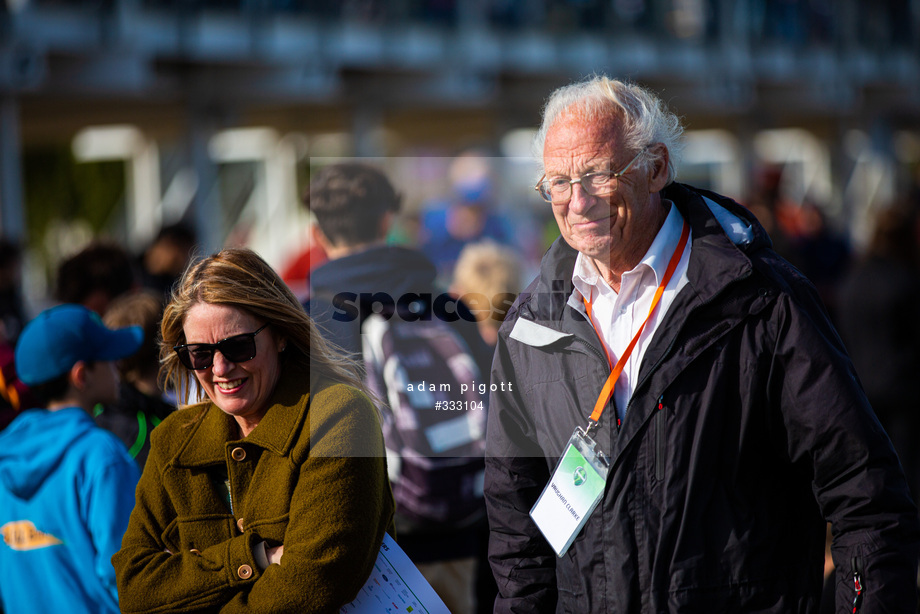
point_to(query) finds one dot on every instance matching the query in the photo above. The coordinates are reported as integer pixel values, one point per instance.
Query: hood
(737, 222)
(391, 269)
(35, 443)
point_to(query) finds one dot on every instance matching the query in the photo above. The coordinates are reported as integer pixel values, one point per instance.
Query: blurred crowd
(473, 249)
(480, 245)
(480, 249)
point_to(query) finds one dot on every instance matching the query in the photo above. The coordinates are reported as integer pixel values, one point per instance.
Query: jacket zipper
(857, 586)
(659, 440)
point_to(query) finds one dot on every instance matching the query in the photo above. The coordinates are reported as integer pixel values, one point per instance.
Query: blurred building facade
(216, 107)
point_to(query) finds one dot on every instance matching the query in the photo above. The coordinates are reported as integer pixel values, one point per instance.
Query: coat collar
(276, 432)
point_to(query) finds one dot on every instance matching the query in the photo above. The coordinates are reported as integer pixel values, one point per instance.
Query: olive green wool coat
(312, 476)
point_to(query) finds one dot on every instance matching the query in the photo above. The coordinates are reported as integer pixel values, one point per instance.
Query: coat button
(238, 454)
(244, 572)
(239, 524)
(195, 551)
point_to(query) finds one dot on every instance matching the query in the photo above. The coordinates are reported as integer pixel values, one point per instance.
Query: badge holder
(574, 490)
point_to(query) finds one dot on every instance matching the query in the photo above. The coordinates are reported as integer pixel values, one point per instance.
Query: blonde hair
(645, 118)
(490, 269)
(240, 278)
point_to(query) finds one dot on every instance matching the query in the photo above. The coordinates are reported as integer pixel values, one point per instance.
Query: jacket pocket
(204, 531)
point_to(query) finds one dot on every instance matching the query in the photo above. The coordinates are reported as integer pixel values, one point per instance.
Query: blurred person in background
(12, 311)
(142, 403)
(774, 212)
(801, 234)
(271, 493)
(877, 313)
(487, 278)
(165, 259)
(296, 272)
(354, 205)
(13, 393)
(822, 254)
(66, 485)
(466, 215)
(95, 276)
(670, 365)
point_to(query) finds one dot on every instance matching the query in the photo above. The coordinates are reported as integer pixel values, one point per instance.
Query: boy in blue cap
(66, 485)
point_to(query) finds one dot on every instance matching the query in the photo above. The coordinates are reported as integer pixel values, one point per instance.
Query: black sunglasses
(200, 356)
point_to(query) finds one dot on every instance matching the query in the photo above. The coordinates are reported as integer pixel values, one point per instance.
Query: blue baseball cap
(52, 343)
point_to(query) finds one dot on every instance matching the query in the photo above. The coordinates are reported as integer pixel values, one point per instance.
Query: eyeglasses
(599, 183)
(200, 356)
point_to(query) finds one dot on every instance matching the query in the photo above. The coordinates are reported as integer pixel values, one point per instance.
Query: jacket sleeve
(339, 510)
(522, 561)
(857, 479)
(156, 576)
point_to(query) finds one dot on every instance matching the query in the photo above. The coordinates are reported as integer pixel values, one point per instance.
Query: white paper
(395, 586)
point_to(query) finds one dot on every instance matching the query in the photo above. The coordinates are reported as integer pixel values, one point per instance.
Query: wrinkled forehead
(579, 141)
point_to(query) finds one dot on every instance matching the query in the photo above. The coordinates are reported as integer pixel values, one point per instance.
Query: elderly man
(684, 419)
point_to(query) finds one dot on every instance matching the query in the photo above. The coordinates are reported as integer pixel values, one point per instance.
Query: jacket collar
(721, 236)
(276, 431)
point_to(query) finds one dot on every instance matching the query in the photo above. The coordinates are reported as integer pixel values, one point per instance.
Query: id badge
(574, 490)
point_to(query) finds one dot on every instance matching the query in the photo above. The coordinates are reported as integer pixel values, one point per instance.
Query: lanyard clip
(592, 426)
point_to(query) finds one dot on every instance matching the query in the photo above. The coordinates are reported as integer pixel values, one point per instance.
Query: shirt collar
(586, 278)
(662, 248)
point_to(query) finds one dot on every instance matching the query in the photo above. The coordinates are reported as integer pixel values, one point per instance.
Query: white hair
(645, 118)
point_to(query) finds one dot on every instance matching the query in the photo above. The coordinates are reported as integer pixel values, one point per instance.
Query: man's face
(616, 229)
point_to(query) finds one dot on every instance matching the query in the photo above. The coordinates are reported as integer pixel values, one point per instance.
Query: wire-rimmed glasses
(558, 190)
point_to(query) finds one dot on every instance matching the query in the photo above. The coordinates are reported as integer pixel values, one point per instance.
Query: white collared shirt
(618, 316)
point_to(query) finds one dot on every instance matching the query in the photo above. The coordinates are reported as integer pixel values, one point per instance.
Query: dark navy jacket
(748, 429)
(344, 291)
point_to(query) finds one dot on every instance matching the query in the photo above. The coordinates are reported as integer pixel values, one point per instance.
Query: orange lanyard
(607, 390)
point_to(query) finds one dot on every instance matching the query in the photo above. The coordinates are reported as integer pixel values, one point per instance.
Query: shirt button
(239, 524)
(244, 572)
(238, 454)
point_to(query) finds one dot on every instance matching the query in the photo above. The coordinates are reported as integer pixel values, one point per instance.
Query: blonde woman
(272, 492)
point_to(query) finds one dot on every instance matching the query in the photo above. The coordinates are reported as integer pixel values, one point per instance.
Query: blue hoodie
(66, 491)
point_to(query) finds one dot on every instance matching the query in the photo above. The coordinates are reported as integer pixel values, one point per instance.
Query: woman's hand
(274, 554)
